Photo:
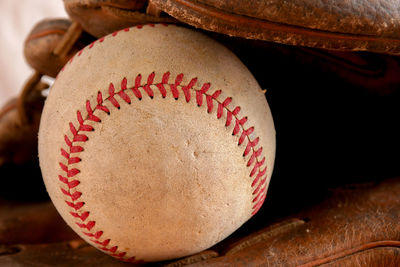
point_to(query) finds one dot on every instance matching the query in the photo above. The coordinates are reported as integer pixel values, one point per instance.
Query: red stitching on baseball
(76, 149)
(245, 133)
(111, 92)
(112, 249)
(161, 87)
(75, 206)
(88, 225)
(186, 89)
(259, 175)
(122, 93)
(258, 163)
(82, 126)
(260, 194)
(259, 191)
(67, 141)
(100, 105)
(199, 94)
(136, 88)
(122, 254)
(70, 184)
(89, 109)
(96, 235)
(222, 106)
(74, 160)
(231, 115)
(82, 216)
(250, 145)
(64, 153)
(253, 157)
(147, 87)
(258, 205)
(73, 196)
(174, 87)
(104, 243)
(77, 137)
(260, 184)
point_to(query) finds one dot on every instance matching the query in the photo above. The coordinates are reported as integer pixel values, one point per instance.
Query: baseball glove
(333, 83)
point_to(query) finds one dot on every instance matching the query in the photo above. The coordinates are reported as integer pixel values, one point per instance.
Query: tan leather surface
(31, 223)
(379, 18)
(341, 25)
(101, 17)
(65, 254)
(18, 137)
(41, 42)
(380, 256)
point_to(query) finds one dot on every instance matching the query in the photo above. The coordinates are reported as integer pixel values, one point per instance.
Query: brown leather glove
(341, 24)
(332, 106)
(19, 123)
(42, 42)
(101, 17)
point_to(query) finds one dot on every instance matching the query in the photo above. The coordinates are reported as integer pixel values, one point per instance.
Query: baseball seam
(70, 170)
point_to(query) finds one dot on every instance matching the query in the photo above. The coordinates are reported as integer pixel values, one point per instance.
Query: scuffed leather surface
(101, 17)
(364, 17)
(356, 226)
(389, 257)
(31, 222)
(337, 25)
(43, 39)
(72, 253)
(18, 140)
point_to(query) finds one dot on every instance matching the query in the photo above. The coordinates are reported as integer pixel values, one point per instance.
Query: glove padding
(101, 17)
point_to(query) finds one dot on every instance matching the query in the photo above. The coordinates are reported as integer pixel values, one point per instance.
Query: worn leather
(43, 39)
(18, 140)
(19, 171)
(371, 25)
(31, 222)
(101, 17)
(363, 17)
(356, 226)
(63, 254)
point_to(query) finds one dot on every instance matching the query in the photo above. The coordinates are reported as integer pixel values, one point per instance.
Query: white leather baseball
(156, 142)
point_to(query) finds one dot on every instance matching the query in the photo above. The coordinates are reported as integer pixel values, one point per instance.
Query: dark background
(336, 116)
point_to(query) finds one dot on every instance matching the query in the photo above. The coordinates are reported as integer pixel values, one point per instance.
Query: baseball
(155, 143)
